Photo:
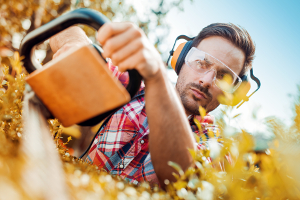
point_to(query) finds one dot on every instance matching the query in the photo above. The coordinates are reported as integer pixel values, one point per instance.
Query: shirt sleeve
(123, 77)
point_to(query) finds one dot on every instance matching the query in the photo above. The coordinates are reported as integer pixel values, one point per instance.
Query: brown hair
(236, 34)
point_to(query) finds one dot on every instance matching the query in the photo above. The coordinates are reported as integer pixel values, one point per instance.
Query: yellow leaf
(190, 171)
(175, 175)
(210, 133)
(235, 116)
(69, 139)
(217, 133)
(16, 56)
(5, 69)
(197, 138)
(226, 83)
(225, 99)
(193, 153)
(203, 137)
(202, 111)
(198, 124)
(180, 184)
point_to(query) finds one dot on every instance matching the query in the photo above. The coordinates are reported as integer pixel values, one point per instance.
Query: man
(160, 127)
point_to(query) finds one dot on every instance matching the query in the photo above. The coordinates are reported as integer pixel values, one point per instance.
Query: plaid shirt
(121, 146)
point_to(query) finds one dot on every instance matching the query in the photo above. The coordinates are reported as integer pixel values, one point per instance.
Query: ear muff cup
(179, 55)
(244, 78)
(176, 55)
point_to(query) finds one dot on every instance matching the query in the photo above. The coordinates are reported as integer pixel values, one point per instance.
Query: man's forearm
(170, 135)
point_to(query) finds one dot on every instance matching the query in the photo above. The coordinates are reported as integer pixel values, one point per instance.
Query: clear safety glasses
(203, 63)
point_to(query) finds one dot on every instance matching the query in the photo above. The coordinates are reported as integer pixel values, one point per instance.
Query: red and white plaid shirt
(121, 146)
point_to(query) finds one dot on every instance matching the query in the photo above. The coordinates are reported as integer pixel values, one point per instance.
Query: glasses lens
(202, 62)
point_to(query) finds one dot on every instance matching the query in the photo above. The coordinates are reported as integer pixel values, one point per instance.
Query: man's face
(199, 89)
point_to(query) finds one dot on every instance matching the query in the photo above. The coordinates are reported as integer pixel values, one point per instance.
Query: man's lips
(198, 93)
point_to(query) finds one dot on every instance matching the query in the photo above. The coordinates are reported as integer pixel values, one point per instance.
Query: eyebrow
(207, 62)
(224, 70)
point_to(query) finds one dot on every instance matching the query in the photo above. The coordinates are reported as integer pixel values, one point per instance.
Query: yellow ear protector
(177, 61)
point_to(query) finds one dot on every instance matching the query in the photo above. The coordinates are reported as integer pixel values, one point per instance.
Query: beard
(192, 105)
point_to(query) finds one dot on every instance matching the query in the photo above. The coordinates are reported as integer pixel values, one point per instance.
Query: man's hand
(68, 39)
(128, 47)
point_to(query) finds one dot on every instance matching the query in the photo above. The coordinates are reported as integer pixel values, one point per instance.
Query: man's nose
(207, 78)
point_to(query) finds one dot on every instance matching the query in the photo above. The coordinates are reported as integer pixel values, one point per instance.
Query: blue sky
(275, 28)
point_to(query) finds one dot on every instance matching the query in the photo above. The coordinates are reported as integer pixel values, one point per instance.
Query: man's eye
(220, 75)
(199, 64)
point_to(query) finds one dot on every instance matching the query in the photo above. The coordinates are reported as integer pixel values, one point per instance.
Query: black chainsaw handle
(79, 16)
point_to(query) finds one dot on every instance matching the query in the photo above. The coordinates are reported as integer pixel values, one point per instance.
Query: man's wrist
(158, 78)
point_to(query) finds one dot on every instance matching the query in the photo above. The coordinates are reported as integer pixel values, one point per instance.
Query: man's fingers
(126, 51)
(108, 30)
(131, 62)
(140, 61)
(121, 41)
(129, 48)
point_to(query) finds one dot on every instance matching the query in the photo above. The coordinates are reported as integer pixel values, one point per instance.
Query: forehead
(225, 51)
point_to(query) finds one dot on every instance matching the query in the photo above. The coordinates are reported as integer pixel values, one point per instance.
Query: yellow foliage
(238, 172)
(246, 173)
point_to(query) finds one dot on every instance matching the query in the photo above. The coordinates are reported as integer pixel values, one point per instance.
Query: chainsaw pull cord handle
(79, 16)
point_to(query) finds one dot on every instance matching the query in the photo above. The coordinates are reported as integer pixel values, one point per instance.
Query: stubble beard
(190, 105)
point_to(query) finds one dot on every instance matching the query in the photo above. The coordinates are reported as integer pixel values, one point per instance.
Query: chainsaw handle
(79, 16)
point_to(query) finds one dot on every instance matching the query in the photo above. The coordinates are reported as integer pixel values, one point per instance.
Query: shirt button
(121, 166)
(142, 141)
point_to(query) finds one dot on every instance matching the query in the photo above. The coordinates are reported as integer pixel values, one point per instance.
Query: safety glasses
(204, 63)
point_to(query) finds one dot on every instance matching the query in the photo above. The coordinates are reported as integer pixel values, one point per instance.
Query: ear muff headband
(244, 78)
